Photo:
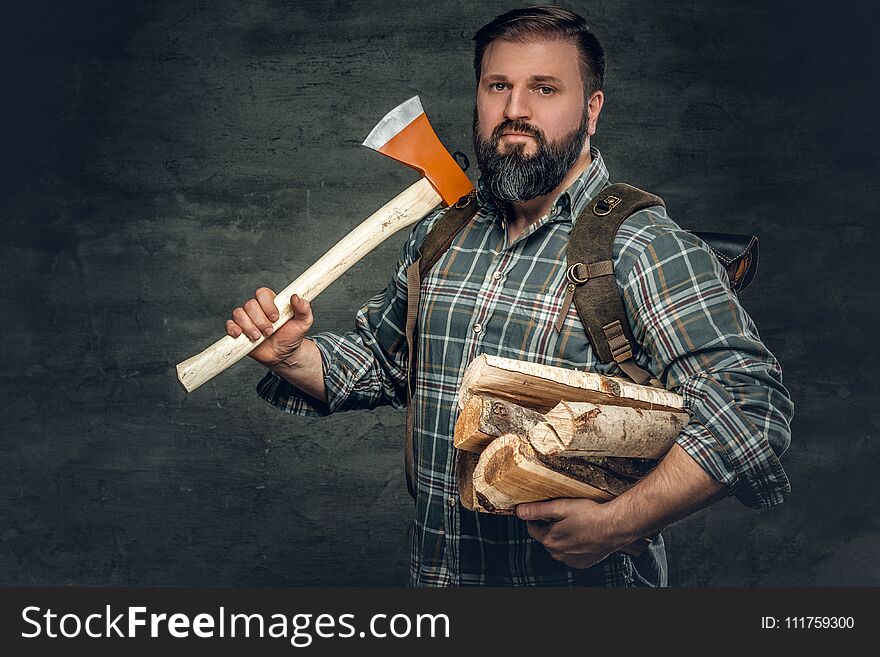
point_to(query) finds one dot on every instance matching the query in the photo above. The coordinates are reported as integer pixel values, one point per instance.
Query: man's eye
(546, 91)
(499, 86)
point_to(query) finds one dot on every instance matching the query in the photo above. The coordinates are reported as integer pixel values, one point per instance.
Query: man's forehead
(541, 59)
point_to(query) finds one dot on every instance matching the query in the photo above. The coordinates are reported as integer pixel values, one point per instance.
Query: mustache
(517, 125)
(513, 176)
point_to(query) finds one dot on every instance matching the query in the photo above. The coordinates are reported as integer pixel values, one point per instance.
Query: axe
(404, 134)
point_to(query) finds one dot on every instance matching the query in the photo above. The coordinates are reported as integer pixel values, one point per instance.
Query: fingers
(559, 548)
(242, 318)
(252, 318)
(255, 311)
(255, 318)
(233, 330)
(266, 299)
(545, 534)
(538, 530)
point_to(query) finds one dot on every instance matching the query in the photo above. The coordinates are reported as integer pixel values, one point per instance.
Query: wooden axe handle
(405, 209)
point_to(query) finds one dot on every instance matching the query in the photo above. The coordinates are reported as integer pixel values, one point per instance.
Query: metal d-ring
(605, 206)
(467, 199)
(570, 274)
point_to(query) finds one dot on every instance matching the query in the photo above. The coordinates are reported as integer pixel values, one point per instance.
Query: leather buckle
(605, 206)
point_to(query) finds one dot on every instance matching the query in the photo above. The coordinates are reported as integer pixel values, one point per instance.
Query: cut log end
(545, 439)
(467, 435)
(509, 473)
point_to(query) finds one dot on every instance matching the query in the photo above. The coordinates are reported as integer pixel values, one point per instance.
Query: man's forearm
(676, 488)
(304, 370)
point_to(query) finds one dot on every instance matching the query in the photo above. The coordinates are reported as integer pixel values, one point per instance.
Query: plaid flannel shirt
(486, 295)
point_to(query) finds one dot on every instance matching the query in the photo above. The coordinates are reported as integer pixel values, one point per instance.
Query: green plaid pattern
(487, 296)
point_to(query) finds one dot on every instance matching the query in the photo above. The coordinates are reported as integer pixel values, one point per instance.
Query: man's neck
(522, 214)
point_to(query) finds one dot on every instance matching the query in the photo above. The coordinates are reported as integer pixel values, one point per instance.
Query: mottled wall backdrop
(161, 160)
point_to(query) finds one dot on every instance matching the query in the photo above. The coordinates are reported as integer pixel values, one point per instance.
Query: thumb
(302, 309)
(551, 510)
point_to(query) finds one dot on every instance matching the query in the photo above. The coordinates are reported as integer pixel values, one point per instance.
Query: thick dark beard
(513, 176)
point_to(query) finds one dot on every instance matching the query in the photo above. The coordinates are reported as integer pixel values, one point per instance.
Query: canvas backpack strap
(591, 281)
(436, 243)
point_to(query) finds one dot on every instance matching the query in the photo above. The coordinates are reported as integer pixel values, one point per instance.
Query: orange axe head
(405, 135)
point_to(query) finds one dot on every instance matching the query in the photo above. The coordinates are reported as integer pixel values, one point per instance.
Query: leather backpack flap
(737, 253)
(593, 288)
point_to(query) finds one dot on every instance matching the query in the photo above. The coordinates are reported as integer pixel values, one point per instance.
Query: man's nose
(517, 106)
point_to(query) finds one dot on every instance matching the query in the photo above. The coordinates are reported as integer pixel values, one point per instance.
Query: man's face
(530, 126)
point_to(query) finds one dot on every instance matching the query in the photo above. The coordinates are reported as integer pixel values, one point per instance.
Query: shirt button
(451, 501)
(478, 328)
(497, 276)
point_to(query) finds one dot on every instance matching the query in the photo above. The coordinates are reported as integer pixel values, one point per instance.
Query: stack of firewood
(529, 432)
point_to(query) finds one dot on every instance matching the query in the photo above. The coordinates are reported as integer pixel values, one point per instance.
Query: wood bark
(483, 419)
(542, 387)
(584, 470)
(586, 429)
(465, 464)
(509, 473)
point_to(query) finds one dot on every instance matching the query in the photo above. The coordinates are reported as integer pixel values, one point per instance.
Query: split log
(581, 469)
(541, 387)
(484, 418)
(585, 429)
(587, 472)
(509, 473)
(465, 464)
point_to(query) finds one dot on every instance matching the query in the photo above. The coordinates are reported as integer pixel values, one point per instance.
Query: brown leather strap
(413, 288)
(436, 243)
(439, 238)
(595, 292)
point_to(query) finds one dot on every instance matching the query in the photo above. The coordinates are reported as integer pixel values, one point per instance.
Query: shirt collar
(570, 202)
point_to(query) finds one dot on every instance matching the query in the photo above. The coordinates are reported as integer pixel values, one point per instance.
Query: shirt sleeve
(695, 337)
(366, 367)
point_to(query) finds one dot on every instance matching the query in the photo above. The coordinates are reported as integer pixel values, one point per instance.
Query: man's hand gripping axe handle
(405, 135)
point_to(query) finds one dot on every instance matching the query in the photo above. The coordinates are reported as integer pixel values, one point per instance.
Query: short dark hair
(548, 22)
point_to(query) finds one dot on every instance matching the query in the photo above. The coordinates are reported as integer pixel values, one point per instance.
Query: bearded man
(498, 290)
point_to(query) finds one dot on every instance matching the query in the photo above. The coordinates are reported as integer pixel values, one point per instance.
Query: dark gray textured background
(161, 160)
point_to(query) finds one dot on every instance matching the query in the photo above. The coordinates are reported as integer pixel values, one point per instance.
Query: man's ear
(594, 108)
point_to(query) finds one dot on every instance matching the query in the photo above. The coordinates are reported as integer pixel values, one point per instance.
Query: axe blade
(405, 135)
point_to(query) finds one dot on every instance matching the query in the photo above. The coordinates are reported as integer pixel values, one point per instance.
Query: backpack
(592, 285)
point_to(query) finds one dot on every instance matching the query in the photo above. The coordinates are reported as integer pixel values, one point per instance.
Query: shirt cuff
(286, 397)
(728, 446)
(342, 368)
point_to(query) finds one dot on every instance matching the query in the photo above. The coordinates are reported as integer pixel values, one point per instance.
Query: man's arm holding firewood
(581, 532)
(697, 340)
